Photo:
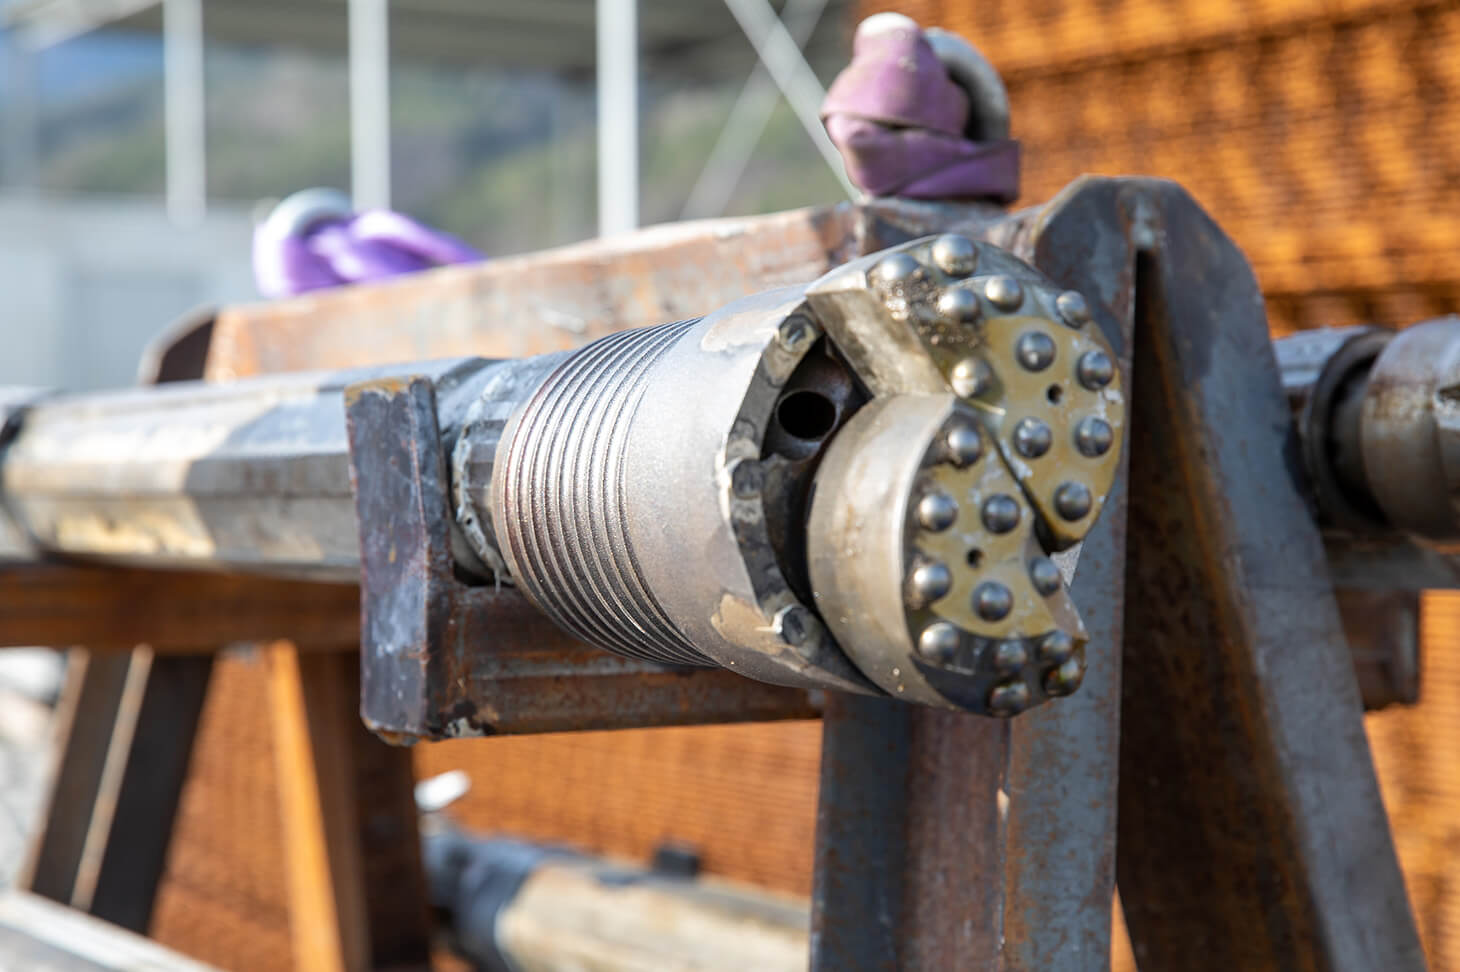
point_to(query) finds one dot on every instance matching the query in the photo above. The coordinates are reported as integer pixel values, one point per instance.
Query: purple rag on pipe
(367, 246)
(898, 120)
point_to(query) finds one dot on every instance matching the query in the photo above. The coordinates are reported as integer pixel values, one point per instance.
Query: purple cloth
(898, 120)
(367, 246)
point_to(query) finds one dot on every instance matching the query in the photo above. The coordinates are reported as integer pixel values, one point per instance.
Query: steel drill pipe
(856, 484)
(1378, 413)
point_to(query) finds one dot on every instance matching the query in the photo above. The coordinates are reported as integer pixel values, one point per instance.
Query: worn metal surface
(1409, 429)
(251, 475)
(1251, 830)
(509, 905)
(601, 480)
(113, 609)
(445, 658)
(1379, 424)
(1324, 373)
(601, 477)
(910, 838)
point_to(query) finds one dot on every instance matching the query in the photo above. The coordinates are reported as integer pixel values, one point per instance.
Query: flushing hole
(806, 415)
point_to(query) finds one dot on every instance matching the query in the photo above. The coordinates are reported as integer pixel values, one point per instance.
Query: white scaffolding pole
(183, 111)
(617, 30)
(370, 103)
(746, 122)
(783, 60)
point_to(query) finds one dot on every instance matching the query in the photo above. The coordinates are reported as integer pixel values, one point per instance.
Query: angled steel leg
(1252, 835)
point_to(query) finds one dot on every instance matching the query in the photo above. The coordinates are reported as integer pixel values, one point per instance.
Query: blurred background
(139, 139)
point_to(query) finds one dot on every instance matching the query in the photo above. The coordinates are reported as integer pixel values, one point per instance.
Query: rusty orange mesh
(745, 795)
(1325, 138)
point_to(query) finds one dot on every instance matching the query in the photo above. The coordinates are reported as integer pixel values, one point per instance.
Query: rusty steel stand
(1251, 830)
(1252, 834)
(1220, 712)
(126, 735)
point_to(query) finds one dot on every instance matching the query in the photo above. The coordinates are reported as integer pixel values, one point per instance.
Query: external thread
(563, 518)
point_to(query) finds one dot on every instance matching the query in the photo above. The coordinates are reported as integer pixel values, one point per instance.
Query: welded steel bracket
(442, 657)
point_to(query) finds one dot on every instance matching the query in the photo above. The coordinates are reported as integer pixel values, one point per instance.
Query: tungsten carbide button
(1072, 309)
(1032, 438)
(970, 377)
(1010, 698)
(896, 269)
(958, 307)
(937, 511)
(1065, 679)
(1034, 350)
(1004, 292)
(1094, 370)
(1056, 648)
(930, 580)
(1072, 500)
(1010, 656)
(992, 601)
(1093, 437)
(938, 642)
(955, 255)
(1045, 576)
(964, 444)
(1000, 513)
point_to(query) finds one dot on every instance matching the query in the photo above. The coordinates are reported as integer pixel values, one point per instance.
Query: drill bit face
(991, 442)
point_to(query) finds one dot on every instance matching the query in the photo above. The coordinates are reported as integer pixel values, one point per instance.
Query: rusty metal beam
(112, 609)
(1252, 834)
(909, 838)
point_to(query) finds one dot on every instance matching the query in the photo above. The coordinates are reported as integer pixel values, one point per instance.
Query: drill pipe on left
(854, 484)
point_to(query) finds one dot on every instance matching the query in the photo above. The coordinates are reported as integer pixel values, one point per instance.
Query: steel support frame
(1252, 832)
(950, 842)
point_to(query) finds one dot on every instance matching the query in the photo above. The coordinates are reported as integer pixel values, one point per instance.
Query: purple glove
(314, 240)
(905, 127)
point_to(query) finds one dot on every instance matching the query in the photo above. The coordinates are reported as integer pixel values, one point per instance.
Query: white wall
(85, 282)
